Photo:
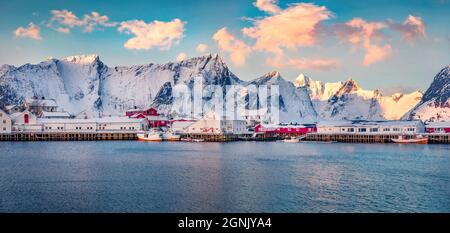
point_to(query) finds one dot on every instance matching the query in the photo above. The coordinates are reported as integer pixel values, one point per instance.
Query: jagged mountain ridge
(84, 83)
(435, 104)
(347, 101)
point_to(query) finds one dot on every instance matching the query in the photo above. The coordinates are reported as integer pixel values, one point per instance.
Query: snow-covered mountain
(294, 102)
(347, 100)
(435, 103)
(84, 83)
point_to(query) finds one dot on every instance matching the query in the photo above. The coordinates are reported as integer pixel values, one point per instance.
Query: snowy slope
(435, 104)
(347, 100)
(294, 102)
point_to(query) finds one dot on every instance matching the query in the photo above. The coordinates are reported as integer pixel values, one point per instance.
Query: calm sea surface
(131, 176)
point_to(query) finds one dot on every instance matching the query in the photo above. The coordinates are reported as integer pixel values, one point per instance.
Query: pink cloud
(358, 32)
(412, 28)
(65, 20)
(32, 32)
(290, 28)
(375, 53)
(269, 6)
(157, 34)
(237, 49)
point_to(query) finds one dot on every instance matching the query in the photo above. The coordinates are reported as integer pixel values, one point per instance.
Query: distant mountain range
(85, 83)
(347, 100)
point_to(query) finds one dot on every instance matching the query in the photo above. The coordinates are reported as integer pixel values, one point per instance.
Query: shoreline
(433, 138)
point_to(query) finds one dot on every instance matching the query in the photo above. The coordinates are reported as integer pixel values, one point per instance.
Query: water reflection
(223, 177)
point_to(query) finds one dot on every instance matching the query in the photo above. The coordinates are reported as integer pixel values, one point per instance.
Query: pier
(100, 136)
(372, 138)
(67, 136)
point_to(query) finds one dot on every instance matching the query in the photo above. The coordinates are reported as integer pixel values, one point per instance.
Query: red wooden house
(288, 130)
(151, 114)
(437, 127)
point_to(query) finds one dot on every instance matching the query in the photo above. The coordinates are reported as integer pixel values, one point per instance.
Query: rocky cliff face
(435, 104)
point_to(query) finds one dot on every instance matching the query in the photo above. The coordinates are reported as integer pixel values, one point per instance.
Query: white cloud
(64, 20)
(269, 6)
(201, 48)
(358, 32)
(181, 56)
(237, 49)
(32, 32)
(155, 34)
(412, 28)
(290, 28)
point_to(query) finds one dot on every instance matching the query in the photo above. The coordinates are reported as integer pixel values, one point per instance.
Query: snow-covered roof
(9, 107)
(157, 118)
(41, 102)
(55, 114)
(92, 120)
(444, 124)
(366, 123)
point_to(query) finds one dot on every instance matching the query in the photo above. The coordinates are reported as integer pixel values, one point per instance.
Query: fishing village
(41, 120)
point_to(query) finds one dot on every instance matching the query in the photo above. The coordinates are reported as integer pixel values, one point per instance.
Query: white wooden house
(5, 123)
(371, 127)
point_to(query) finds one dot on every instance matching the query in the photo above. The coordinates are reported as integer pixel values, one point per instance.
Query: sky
(389, 45)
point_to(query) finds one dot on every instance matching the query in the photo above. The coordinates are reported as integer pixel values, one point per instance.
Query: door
(26, 118)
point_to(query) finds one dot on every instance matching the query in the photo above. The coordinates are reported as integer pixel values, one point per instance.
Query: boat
(192, 140)
(291, 140)
(152, 136)
(294, 139)
(418, 139)
(170, 136)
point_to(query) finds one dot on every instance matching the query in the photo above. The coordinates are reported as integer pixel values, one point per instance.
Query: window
(1, 114)
(387, 129)
(350, 130)
(4, 121)
(373, 129)
(362, 130)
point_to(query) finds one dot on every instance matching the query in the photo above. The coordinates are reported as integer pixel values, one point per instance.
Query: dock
(67, 136)
(372, 138)
(132, 135)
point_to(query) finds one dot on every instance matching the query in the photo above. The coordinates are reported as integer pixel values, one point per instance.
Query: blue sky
(401, 63)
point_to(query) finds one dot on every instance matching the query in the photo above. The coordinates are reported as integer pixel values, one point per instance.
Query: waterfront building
(5, 122)
(438, 127)
(105, 124)
(151, 114)
(212, 123)
(181, 126)
(25, 122)
(285, 129)
(370, 127)
(38, 105)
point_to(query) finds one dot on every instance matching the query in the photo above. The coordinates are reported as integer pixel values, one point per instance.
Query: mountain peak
(273, 74)
(349, 86)
(302, 80)
(82, 59)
